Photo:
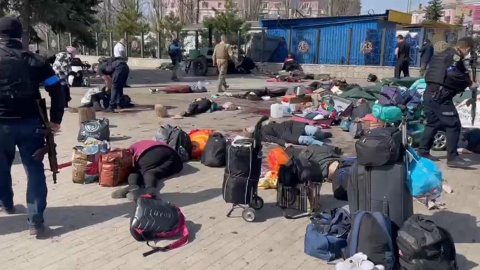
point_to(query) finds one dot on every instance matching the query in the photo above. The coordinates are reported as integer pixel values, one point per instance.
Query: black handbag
(98, 129)
(380, 146)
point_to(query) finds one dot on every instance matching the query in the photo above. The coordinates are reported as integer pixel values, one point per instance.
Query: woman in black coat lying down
(290, 132)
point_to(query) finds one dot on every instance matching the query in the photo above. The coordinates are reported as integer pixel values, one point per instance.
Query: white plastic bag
(464, 112)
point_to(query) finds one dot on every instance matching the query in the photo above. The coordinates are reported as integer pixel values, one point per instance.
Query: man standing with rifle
(23, 123)
(446, 77)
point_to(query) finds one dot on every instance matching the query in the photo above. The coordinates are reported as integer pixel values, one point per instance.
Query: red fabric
(320, 123)
(370, 117)
(140, 147)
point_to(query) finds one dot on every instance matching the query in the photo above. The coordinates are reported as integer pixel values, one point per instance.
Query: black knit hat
(10, 27)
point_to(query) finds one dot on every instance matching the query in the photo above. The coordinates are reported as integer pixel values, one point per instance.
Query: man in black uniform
(446, 77)
(21, 73)
(402, 51)
(118, 70)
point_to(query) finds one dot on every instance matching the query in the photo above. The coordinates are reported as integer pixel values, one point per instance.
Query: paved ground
(89, 230)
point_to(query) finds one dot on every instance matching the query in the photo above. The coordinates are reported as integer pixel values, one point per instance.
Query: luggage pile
(380, 230)
(369, 240)
(97, 162)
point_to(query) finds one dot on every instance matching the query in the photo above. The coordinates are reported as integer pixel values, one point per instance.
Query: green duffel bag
(388, 114)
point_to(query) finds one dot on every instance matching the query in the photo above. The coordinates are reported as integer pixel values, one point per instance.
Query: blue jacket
(175, 52)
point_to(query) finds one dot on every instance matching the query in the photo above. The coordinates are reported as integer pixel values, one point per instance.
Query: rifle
(50, 146)
(473, 65)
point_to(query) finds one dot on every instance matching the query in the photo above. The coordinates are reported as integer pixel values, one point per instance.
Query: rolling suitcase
(242, 173)
(381, 189)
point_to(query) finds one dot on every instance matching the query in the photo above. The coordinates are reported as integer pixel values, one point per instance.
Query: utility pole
(409, 5)
(198, 12)
(330, 7)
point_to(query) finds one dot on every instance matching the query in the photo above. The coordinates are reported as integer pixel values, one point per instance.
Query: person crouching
(152, 162)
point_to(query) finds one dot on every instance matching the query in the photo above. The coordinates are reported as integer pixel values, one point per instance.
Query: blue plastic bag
(424, 177)
(345, 124)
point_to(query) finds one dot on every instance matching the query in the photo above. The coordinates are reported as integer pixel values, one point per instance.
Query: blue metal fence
(336, 42)
(303, 45)
(363, 40)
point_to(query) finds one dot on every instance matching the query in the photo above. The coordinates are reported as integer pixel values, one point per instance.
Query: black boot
(120, 193)
(134, 192)
(150, 191)
(458, 162)
(428, 156)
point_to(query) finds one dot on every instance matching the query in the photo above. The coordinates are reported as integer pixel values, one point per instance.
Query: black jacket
(447, 69)
(426, 53)
(281, 133)
(109, 65)
(40, 72)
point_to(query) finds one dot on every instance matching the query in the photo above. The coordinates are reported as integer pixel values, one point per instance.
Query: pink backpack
(155, 219)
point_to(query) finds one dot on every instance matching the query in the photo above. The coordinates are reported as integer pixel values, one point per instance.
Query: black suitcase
(381, 189)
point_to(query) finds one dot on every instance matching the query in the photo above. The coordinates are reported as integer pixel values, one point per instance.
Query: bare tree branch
(250, 9)
(346, 7)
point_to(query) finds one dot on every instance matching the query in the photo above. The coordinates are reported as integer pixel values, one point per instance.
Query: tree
(250, 9)
(227, 22)
(171, 24)
(346, 7)
(60, 15)
(434, 11)
(129, 19)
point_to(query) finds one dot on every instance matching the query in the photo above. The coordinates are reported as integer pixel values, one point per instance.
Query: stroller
(242, 173)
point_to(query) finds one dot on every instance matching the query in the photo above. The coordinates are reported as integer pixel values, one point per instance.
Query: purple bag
(391, 95)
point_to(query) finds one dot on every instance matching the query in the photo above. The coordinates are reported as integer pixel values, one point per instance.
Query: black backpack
(214, 154)
(380, 146)
(371, 234)
(423, 246)
(177, 139)
(15, 76)
(154, 219)
(288, 175)
(308, 170)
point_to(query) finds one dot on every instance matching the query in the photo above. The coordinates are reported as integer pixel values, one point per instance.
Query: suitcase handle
(385, 207)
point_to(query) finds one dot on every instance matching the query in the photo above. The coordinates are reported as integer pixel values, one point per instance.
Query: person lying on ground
(152, 162)
(290, 132)
(198, 106)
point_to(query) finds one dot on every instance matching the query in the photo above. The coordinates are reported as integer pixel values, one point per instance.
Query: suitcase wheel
(257, 203)
(248, 214)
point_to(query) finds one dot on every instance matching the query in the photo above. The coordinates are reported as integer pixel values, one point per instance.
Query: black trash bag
(98, 129)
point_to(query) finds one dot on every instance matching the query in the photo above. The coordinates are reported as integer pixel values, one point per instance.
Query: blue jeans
(310, 138)
(23, 134)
